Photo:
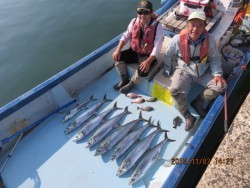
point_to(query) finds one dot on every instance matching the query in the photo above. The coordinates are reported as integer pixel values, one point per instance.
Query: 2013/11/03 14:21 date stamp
(202, 161)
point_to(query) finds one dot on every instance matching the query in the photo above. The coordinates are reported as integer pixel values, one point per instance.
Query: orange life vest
(146, 45)
(185, 48)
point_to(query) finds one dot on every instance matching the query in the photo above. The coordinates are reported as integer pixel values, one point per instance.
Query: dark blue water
(39, 38)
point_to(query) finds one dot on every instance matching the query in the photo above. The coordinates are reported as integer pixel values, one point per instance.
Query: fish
(93, 123)
(147, 160)
(133, 95)
(151, 99)
(116, 136)
(85, 116)
(141, 147)
(147, 108)
(77, 109)
(129, 140)
(177, 122)
(139, 100)
(106, 128)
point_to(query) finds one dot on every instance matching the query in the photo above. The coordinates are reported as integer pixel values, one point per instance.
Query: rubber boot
(125, 89)
(197, 105)
(205, 97)
(190, 120)
(180, 99)
(124, 81)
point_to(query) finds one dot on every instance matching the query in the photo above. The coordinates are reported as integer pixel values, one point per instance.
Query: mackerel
(93, 123)
(77, 109)
(85, 116)
(116, 136)
(128, 140)
(147, 160)
(141, 147)
(106, 128)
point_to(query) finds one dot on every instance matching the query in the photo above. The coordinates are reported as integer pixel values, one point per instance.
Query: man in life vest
(194, 55)
(145, 35)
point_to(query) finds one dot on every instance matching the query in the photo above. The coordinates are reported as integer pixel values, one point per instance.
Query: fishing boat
(39, 150)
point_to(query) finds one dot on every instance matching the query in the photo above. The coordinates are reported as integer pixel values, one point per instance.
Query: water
(39, 38)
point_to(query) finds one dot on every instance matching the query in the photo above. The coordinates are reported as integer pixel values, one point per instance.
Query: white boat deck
(47, 157)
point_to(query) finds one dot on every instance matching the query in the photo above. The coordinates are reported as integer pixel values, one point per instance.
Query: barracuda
(116, 136)
(85, 116)
(77, 109)
(148, 159)
(141, 147)
(106, 128)
(93, 123)
(129, 140)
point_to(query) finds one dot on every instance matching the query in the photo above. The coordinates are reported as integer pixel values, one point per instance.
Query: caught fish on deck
(133, 95)
(139, 100)
(106, 128)
(147, 160)
(85, 116)
(177, 122)
(147, 108)
(151, 99)
(93, 123)
(116, 136)
(129, 140)
(77, 109)
(141, 147)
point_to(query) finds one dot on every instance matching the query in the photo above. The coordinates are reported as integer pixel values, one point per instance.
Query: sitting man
(196, 57)
(146, 36)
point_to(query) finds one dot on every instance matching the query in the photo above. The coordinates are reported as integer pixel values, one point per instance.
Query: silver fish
(116, 136)
(129, 140)
(147, 160)
(147, 108)
(133, 95)
(139, 100)
(106, 128)
(93, 123)
(141, 147)
(151, 99)
(84, 116)
(77, 109)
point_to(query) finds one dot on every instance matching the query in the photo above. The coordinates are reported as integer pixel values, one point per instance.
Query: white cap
(197, 15)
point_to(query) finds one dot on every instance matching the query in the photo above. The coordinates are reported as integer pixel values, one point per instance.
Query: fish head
(123, 168)
(135, 176)
(90, 143)
(99, 151)
(78, 137)
(70, 127)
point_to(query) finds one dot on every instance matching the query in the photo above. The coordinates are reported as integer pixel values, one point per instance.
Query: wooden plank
(214, 20)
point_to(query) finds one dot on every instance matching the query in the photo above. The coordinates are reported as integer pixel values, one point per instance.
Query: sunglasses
(144, 12)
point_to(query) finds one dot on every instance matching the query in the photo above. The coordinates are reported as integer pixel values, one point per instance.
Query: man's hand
(220, 80)
(145, 66)
(116, 55)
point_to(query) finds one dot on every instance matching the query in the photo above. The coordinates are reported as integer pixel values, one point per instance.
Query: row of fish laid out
(110, 135)
(90, 113)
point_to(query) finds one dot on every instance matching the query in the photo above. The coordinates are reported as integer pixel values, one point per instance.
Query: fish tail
(161, 129)
(115, 106)
(105, 98)
(168, 139)
(92, 99)
(126, 110)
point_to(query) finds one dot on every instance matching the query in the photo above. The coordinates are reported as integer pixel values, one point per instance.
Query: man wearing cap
(146, 36)
(194, 55)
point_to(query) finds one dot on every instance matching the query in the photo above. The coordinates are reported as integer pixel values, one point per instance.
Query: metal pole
(225, 113)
